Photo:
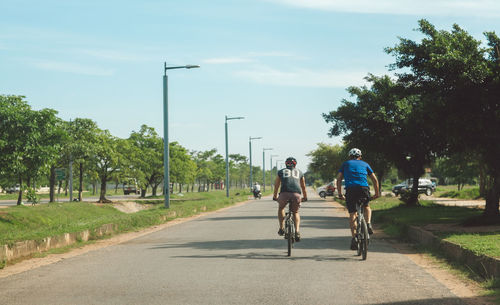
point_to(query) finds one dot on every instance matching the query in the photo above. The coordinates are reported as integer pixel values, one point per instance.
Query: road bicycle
(290, 227)
(362, 235)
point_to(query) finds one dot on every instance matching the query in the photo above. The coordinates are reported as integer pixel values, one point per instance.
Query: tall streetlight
(226, 184)
(250, 154)
(271, 165)
(264, 168)
(166, 173)
(277, 165)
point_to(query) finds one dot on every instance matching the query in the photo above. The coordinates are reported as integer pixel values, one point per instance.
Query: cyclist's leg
(352, 223)
(282, 202)
(352, 197)
(368, 214)
(295, 210)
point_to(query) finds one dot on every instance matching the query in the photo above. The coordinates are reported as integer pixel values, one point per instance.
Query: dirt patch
(129, 207)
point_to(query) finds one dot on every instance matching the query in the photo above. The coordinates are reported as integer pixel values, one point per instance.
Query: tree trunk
(102, 196)
(180, 187)
(80, 186)
(413, 198)
(20, 195)
(482, 181)
(491, 212)
(154, 188)
(52, 183)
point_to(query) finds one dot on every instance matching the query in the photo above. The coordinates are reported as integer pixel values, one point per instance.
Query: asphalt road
(234, 257)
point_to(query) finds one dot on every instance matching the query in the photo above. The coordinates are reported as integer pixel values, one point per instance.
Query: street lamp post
(277, 166)
(226, 184)
(250, 156)
(264, 168)
(271, 165)
(166, 173)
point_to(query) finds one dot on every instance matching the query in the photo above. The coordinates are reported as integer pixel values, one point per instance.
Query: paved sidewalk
(456, 202)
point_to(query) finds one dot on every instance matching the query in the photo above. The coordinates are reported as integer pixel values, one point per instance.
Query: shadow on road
(307, 243)
(273, 256)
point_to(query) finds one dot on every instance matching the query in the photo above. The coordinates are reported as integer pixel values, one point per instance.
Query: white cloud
(478, 8)
(73, 68)
(305, 77)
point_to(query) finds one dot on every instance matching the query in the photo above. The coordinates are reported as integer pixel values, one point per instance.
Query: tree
(325, 161)
(29, 140)
(238, 168)
(459, 82)
(457, 169)
(182, 167)
(148, 158)
(387, 124)
(81, 146)
(107, 160)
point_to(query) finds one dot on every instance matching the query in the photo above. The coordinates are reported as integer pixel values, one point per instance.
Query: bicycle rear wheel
(364, 239)
(290, 231)
(358, 237)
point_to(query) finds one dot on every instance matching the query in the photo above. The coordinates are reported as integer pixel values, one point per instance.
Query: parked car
(13, 189)
(327, 190)
(425, 186)
(130, 187)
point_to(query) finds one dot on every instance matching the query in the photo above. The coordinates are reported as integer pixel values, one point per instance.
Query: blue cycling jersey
(355, 172)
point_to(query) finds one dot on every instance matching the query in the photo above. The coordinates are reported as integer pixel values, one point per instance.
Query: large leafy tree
(386, 124)
(148, 158)
(182, 167)
(238, 168)
(107, 160)
(458, 82)
(81, 146)
(29, 140)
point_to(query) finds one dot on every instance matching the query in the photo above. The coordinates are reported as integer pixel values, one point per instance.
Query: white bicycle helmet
(355, 152)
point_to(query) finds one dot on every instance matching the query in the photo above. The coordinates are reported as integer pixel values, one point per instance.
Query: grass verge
(18, 223)
(394, 217)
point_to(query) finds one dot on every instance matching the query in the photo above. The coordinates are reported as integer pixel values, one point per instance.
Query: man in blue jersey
(293, 185)
(355, 173)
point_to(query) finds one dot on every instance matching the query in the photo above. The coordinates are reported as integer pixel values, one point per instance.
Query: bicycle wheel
(358, 237)
(364, 239)
(290, 232)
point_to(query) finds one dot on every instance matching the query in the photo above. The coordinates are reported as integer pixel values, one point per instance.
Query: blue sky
(278, 63)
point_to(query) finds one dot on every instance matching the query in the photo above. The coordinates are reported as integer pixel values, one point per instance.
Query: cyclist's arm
(303, 187)
(374, 180)
(340, 176)
(277, 183)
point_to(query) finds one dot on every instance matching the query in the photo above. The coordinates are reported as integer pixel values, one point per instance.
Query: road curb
(27, 248)
(486, 266)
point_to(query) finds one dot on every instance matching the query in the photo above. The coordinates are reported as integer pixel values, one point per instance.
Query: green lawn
(19, 223)
(393, 216)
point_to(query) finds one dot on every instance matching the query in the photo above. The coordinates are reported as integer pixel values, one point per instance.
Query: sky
(280, 64)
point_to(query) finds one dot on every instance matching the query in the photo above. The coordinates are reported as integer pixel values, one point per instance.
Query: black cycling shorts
(355, 194)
